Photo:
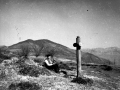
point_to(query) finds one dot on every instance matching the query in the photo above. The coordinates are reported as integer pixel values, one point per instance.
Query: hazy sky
(97, 22)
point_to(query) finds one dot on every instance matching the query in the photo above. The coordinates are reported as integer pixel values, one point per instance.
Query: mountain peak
(44, 40)
(29, 40)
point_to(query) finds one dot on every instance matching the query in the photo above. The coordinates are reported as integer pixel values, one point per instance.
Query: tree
(52, 52)
(24, 51)
(37, 50)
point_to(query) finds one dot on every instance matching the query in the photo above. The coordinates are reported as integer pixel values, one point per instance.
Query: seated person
(50, 63)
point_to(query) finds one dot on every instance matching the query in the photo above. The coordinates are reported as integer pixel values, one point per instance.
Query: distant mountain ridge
(111, 53)
(61, 50)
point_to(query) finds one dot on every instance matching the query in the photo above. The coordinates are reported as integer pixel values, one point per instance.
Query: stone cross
(78, 56)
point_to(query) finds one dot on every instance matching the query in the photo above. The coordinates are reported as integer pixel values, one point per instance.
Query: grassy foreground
(28, 76)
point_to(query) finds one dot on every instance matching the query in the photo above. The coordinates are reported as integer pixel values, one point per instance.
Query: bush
(4, 53)
(39, 61)
(106, 67)
(1, 60)
(38, 50)
(24, 86)
(7, 62)
(2, 72)
(64, 66)
(32, 70)
(3, 88)
(20, 62)
(81, 80)
(2, 75)
(25, 50)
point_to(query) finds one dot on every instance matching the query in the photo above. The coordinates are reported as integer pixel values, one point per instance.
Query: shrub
(4, 53)
(37, 50)
(32, 70)
(7, 62)
(24, 86)
(24, 51)
(1, 60)
(2, 74)
(81, 80)
(39, 61)
(106, 67)
(3, 88)
(64, 66)
(52, 52)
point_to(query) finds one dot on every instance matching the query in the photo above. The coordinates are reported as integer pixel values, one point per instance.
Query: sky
(97, 22)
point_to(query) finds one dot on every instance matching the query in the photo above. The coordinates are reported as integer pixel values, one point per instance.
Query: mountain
(48, 46)
(111, 53)
(3, 47)
(60, 50)
(91, 58)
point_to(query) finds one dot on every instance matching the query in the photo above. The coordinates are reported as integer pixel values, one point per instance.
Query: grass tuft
(24, 86)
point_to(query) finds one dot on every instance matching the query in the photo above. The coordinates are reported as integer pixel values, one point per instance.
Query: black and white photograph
(59, 44)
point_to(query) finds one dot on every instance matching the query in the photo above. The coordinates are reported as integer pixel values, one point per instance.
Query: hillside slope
(60, 51)
(111, 53)
(47, 45)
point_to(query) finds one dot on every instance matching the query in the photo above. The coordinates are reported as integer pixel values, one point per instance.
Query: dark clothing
(53, 67)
